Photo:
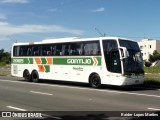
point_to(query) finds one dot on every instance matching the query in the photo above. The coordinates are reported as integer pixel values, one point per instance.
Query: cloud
(99, 9)
(14, 1)
(52, 10)
(2, 17)
(10, 29)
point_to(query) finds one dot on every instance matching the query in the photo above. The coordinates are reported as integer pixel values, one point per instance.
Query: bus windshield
(133, 64)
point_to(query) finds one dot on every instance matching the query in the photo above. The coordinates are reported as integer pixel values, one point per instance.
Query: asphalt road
(62, 99)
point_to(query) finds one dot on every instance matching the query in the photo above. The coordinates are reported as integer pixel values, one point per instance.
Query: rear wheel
(95, 81)
(27, 76)
(35, 76)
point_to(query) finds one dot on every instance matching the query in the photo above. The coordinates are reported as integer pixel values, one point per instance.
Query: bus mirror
(124, 52)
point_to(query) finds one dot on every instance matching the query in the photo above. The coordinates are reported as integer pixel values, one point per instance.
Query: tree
(155, 57)
(147, 63)
(5, 57)
(1, 54)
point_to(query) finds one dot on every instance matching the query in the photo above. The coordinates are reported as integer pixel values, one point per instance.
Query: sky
(36, 20)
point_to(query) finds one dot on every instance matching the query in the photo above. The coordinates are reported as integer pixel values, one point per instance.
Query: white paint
(16, 108)
(81, 88)
(49, 116)
(35, 92)
(153, 109)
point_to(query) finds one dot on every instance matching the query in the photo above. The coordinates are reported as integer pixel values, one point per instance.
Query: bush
(2, 64)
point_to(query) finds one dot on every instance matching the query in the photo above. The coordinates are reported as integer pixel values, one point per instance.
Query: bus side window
(36, 50)
(16, 50)
(92, 48)
(65, 49)
(21, 52)
(29, 51)
(58, 49)
(76, 48)
(54, 50)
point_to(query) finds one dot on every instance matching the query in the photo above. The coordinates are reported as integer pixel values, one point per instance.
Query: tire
(95, 81)
(35, 76)
(27, 76)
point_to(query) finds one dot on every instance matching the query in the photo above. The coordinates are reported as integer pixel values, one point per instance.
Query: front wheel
(95, 81)
(35, 76)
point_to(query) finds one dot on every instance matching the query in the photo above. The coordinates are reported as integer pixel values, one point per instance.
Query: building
(148, 46)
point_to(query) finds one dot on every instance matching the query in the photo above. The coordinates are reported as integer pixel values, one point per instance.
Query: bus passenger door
(115, 67)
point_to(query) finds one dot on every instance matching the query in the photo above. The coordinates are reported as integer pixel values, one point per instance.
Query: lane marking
(35, 92)
(49, 116)
(153, 109)
(16, 108)
(91, 89)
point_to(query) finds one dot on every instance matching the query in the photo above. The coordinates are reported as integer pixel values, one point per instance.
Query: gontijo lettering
(79, 61)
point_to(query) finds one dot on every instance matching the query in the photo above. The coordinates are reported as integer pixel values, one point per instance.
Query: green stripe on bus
(44, 61)
(22, 60)
(77, 61)
(89, 61)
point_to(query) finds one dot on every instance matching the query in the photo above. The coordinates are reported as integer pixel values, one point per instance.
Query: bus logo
(79, 61)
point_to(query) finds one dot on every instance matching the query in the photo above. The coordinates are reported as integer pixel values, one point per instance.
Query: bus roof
(69, 39)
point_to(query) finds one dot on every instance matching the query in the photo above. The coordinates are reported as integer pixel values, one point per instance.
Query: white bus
(97, 61)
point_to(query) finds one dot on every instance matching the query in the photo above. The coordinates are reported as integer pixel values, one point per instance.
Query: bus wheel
(35, 76)
(95, 81)
(27, 76)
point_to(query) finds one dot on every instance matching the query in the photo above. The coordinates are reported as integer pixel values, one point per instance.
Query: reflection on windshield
(134, 62)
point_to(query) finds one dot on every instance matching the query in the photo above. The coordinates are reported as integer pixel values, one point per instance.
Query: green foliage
(152, 81)
(153, 69)
(147, 63)
(5, 57)
(154, 57)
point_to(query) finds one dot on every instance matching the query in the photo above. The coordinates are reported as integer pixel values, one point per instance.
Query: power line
(15, 41)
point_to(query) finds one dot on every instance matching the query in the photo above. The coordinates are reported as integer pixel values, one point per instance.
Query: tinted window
(92, 48)
(23, 50)
(58, 50)
(108, 46)
(46, 50)
(76, 48)
(16, 50)
(29, 50)
(65, 49)
(36, 50)
(129, 44)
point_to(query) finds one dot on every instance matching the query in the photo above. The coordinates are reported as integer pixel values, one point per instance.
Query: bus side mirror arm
(124, 52)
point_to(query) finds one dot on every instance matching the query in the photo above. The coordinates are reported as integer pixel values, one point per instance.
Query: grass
(152, 81)
(2, 64)
(153, 69)
(154, 77)
(5, 73)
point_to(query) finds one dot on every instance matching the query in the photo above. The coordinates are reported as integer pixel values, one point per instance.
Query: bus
(97, 61)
